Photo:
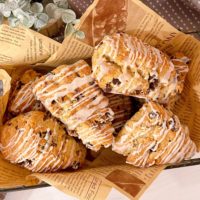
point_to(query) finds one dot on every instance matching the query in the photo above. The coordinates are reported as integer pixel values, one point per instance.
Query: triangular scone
(123, 64)
(39, 143)
(22, 98)
(71, 94)
(154, 136)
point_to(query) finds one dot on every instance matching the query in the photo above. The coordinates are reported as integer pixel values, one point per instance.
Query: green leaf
(69, 29)
(41, 21)
(61, 3)
(80, 34)
(36, 7)
(68, 16)
(76, 21)
(58, 13)
(6, 13)
(28, 21)
(50, 9)
(13, 21)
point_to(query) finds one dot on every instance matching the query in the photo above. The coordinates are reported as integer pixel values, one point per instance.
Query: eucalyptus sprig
(23, 12)
(34, 15)
(60, 9)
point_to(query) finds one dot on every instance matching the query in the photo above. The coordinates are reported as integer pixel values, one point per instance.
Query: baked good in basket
(122, 106)
(38, 142)
(123, 64)
(71, 94)
(22, 98)
(154, 136)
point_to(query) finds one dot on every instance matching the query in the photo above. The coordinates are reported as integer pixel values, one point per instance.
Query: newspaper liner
(102, 17)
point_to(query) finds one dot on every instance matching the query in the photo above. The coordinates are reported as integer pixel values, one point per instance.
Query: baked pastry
(123, 64)
(22, 98)
(180, 62)
(39, 143)
(122, 107)
(154, 136)
(71, 94)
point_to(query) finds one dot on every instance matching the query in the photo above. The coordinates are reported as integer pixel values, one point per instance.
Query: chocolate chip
(137, 92)
(53, 144)
(93, 98)
(116, 81)
(108, 87)
(115, 134)
(75, 165)
(153, 115)
(1, 88)
(153, 148)
(80, 96)
(91, 83)
(77, 90)
(53, 102)
(107, 114)
(153, 82)
(171, 124)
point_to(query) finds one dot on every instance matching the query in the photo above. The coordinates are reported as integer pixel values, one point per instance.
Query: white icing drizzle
(138, 154)
(136, 55)
(24, 146)
(71, 98)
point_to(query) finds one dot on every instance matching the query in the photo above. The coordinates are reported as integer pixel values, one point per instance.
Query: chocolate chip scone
(39, 143)
(71, 94)
(22, 98)
(123, 64)
(122, 107)
(154, 136)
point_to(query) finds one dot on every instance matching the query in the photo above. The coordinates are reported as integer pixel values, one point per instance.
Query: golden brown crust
(22, 98)
(123, 64)
(154, 135)
(39, 143)
(71, 94)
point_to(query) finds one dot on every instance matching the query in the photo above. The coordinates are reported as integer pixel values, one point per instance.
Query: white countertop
(174, 184)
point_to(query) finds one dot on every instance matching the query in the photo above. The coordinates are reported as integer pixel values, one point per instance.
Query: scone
(122, 107)
(154, 136)
(22, 98)
(180, 62)
(39, 143)
(71, 95)
(123, 64)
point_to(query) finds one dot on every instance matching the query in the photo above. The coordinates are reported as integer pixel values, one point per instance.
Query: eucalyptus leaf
(28, 21)
(76, 21)
(68, 16)
(41, 21)
(69, 29)
(58, 13)
(13, 21)
(18, 12)
(50, 8)
(61, 3)
(80, 34)
(36, 7)
(6, 13)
